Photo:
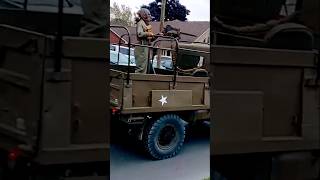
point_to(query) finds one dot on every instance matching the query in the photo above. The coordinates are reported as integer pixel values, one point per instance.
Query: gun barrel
(188, 34)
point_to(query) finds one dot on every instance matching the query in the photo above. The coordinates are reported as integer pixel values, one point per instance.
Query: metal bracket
(135, 120)
(59, 76)
(30, 46)
(140, 136)
(312, 83)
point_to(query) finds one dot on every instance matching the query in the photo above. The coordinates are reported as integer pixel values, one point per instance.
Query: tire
(164, 137)
(200, 73)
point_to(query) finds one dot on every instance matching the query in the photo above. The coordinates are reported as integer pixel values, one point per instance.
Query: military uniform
(141, 53)
(94, 21)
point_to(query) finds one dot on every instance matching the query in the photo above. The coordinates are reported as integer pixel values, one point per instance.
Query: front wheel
(164, 137)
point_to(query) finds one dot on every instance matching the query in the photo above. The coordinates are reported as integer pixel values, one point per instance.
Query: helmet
(145, 14)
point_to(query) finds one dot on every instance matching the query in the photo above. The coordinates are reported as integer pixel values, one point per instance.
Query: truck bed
(144, 92)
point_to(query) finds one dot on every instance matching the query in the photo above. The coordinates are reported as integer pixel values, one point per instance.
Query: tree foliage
(174, 10)
(121, 15)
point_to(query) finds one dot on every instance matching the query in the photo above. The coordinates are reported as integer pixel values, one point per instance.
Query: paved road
(128, 162)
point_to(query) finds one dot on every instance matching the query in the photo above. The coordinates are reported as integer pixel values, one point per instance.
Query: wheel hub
(167, 137)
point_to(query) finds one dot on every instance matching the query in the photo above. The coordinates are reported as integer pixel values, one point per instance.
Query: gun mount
(175, 32)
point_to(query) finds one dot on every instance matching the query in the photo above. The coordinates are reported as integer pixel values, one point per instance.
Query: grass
(208, 178)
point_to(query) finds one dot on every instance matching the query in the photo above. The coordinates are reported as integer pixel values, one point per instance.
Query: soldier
(94, 21)
(144, 36)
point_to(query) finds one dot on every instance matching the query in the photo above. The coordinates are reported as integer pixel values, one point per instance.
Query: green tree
(174, 10)
(121, 15)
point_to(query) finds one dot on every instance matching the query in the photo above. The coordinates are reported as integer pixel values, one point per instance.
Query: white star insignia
(163, 100)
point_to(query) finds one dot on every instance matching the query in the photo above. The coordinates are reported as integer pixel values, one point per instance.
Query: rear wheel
(164, 137)
(200, 73)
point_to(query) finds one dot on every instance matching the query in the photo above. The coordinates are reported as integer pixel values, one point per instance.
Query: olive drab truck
(265, 98)
(53, 98)
(156, 107)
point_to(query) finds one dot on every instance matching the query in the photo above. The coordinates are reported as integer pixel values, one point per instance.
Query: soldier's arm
(141, 32)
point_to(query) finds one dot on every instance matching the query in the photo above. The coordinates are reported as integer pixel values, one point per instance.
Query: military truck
(155, 107)
(265, 98)
(53, 109)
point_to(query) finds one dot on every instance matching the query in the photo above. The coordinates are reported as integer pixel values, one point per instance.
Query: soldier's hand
(150, 34)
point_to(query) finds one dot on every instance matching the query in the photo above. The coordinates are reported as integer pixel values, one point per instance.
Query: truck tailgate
(61, 115)
(21, 73)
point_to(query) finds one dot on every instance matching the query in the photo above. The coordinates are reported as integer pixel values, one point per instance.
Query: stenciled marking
(163, 100)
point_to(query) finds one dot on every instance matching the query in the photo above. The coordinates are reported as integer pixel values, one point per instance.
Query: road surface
(127, 160)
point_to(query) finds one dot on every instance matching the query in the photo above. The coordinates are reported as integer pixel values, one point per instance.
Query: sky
(199, 9)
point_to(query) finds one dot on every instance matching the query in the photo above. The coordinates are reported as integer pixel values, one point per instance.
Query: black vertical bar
(119, 44)
(58, 45)
(299, 4)
(129, 45)
(175, 64)
(25, 5)
(148, 60)
(175, 69)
